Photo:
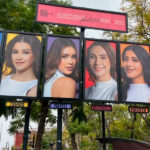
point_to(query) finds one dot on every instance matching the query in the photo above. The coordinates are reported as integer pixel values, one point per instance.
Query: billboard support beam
(103, 127)
(26, 127)
(59, 130)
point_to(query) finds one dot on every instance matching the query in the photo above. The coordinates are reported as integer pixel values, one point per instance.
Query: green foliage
(78, 113)
(49, 137)
(75, 127)
(88, 144)
(16, 124)
(138, 22)
(19, 120)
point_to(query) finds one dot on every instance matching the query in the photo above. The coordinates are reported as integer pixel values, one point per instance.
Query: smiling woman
(62, 69)
(21, 66)
(101, 68)
(135, 74)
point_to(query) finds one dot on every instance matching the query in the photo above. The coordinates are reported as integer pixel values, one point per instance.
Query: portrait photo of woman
(136, 73)
(21, 65)
(100, 70)
(62, 68)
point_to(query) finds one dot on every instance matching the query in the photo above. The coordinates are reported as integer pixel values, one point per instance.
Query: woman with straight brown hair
(101, 66)
(62, 69)
(21, 66)
(136, 74)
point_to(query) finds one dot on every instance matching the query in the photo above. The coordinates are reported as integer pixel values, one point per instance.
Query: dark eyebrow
(23, 49)
(103, 55)
(134, 57)
(64, 54)
(131, 57)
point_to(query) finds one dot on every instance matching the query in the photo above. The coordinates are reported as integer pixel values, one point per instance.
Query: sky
(109, 5)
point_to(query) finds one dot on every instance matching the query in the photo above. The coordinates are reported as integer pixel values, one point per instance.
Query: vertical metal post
(82, 54)
(59, 130)
(82, 34)
(26, 128)
(103, 127)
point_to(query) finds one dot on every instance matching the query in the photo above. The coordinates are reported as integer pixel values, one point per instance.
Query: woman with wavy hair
(21, 66)
(101, 67)
(136, 74)
(62, 69)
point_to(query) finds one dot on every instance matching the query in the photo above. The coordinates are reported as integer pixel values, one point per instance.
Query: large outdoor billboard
(61, 68)
(100, 71)
(81, 17)
(1, 41)
(135, 69)
(21, 68)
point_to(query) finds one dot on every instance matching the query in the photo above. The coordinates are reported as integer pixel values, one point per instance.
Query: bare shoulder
(4, 76)
(65, 80)
(32, 92)
(64, 87)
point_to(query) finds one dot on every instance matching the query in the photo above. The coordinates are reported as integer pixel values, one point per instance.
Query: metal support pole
(26, 128)
(82, 34)
(59, 130)
(103, 127)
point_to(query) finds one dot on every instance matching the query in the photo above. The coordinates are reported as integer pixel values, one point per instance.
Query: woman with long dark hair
(101, 66)
(62, 69)
(21, 66)
(136, 74)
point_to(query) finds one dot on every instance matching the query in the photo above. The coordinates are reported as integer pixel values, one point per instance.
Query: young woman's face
(68, 60)
(22, 56)
(131, 64)
(99, 62)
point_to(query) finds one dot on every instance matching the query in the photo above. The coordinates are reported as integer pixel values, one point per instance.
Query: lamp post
(7, 145)
(51, 145)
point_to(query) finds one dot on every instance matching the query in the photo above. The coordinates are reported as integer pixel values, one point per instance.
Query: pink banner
(81, 18)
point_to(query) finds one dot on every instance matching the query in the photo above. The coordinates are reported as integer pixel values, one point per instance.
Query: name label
(55, 105)
(134, 109)
(101, 107)
(17, 104)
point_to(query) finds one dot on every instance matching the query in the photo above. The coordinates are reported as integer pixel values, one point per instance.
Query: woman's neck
(104, 78)
(139, 80)
(24, 76)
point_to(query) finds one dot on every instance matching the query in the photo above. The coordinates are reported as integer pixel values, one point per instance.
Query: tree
(139, 28)
(19, 15)
(138, 19)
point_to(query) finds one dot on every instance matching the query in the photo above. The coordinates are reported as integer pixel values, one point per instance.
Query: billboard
(20, 71)
(135, 72)
(61, 68)
(81, 17)
(1, 41)
(100, 71)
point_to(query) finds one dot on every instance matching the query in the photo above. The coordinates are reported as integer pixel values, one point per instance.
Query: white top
(102, 90)
(11, 87)
(48, 85)
(138, 93)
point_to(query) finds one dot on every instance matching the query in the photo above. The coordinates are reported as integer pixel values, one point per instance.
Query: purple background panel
(51, 39)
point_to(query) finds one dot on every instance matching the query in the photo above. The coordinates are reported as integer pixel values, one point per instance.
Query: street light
(7, 145)
(51, 145)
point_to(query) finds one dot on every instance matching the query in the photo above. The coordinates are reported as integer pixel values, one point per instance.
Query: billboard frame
(2, 47)
(44, 69)
(82, 8)
(117, 71)
(40, 63)
(2, 44)
(121, 90)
